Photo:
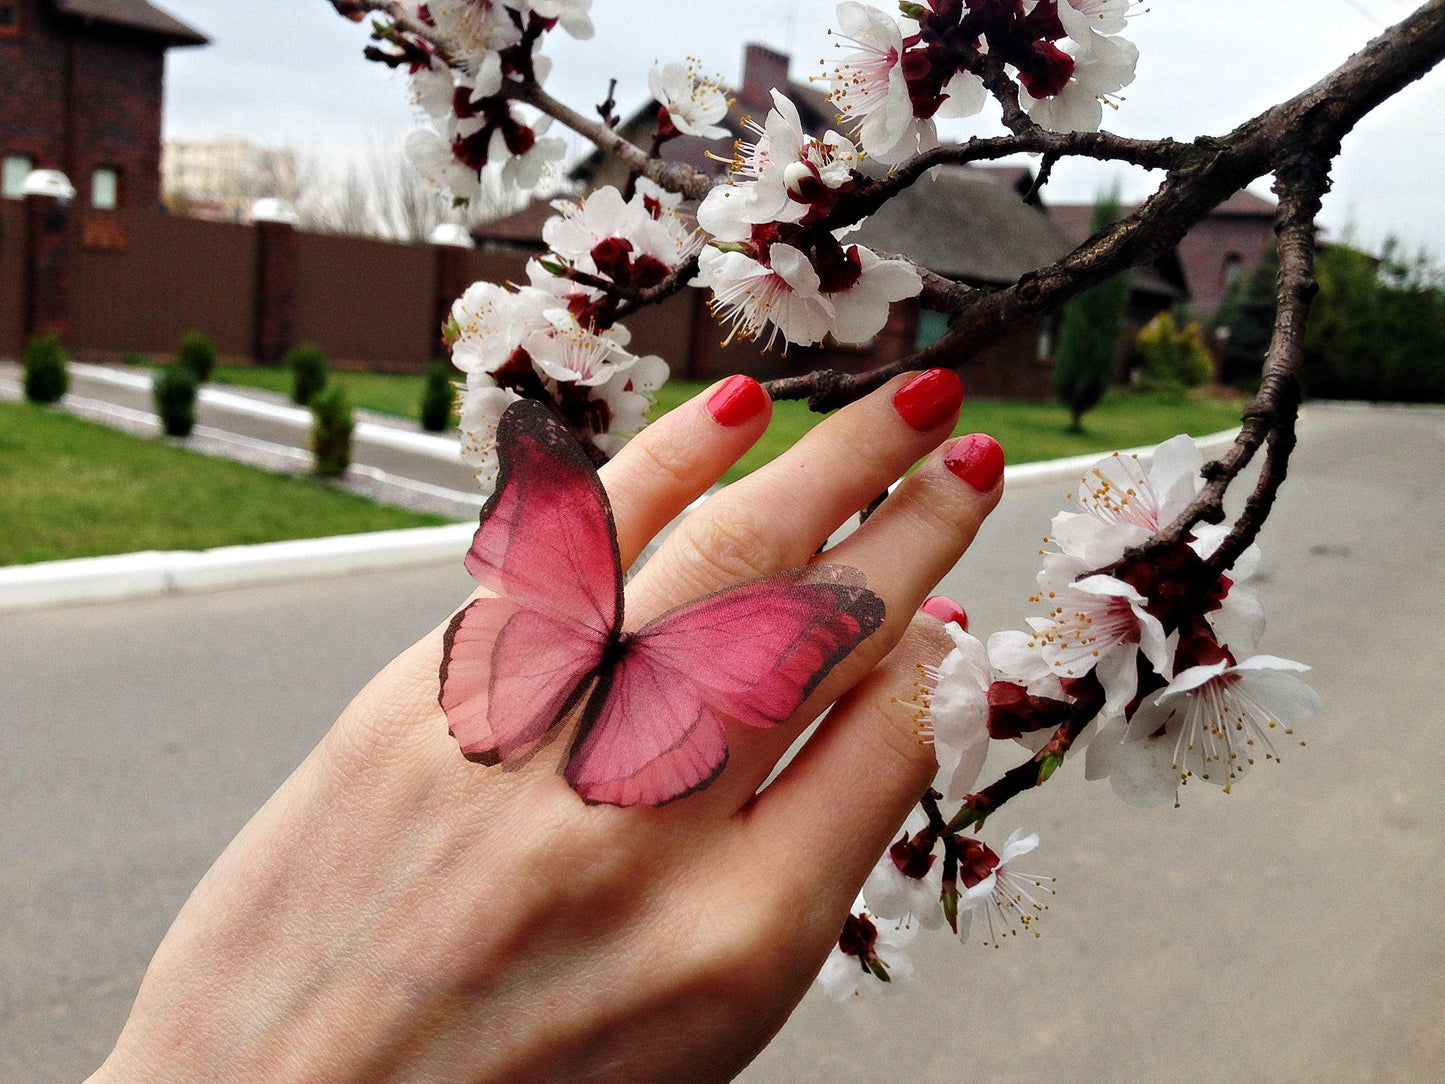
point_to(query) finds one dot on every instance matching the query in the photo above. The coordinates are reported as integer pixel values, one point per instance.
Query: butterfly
(651, 704)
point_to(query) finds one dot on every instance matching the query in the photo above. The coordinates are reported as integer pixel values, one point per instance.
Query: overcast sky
(290, 73)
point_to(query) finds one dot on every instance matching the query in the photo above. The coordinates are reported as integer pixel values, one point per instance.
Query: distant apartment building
(222, 178)
(81, 83)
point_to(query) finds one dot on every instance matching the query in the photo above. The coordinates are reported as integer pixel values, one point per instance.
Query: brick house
(83, 86)
(1227, 244)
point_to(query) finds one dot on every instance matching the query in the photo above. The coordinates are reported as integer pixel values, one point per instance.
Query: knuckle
(732, 545)
(667, 459)
(935, 510)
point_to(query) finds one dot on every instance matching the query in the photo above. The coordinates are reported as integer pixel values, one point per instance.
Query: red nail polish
(927, 401)
(946, 610)
(978, 460)
(740, 399)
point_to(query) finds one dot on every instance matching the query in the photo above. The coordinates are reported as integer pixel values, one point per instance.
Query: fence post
(48, 251)
(275, 282)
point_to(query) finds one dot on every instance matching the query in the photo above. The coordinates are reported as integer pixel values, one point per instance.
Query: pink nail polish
(929, 400)
(978, 460)
(946, 610)
(740, 399)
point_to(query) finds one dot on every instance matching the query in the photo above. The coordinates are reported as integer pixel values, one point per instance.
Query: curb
(155, 573)
(444, 448)
(1067, 470)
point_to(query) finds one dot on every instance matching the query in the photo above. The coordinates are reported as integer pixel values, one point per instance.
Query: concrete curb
(150, 574)
(153, 573)
(444, 448)
(1067, 470)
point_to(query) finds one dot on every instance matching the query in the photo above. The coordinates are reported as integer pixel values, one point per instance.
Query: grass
(72, 488)
(1029, 431)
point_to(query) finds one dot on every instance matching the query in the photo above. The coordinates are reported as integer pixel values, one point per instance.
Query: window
(13, 173)
(1233, 268)
(105, 189)
(9, 20)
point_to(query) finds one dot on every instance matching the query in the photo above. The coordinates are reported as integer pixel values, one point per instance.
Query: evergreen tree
(1248, 313)
(1088, 352)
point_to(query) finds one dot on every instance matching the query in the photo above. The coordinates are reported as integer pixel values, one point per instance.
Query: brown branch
(674, 176)
(356, 10)
(1209, 171)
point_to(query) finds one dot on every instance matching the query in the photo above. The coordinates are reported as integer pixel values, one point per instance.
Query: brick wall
(1208, 245)
(80, 98)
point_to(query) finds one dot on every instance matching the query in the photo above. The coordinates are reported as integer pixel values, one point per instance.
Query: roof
(966, 224)
(1074, 218)
(134, 15)
(523, 227)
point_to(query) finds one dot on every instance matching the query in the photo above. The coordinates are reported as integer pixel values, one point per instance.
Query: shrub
(174, 391)
(136, 361)
(437, 398)
(197, 354)
(1168, 357)
(308, 370)
(331, 429)
(47, 377)
(1088, 351)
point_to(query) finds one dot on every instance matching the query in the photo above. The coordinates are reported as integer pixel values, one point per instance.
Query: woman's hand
(395, 912)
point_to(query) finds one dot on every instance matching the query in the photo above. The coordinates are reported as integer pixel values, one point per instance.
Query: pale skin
(395, 912)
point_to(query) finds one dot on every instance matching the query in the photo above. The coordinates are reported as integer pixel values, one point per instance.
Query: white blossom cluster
(771, 272)
(898, 75)
(474, 130)
(1196, 703)
(555, 337)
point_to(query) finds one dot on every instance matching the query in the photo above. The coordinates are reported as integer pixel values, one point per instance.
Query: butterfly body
(652, 701)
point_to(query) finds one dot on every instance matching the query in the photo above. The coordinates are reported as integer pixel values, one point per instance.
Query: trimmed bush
(437, 398)
(47, 376)
(197, 354)
(308, 372)
(174, 392)
(1168, 357)
(331, 429)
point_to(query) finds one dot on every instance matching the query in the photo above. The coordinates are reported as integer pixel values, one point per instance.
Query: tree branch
(1206, 173)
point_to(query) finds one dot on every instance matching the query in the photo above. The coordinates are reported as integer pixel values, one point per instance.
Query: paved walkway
(1290, 932)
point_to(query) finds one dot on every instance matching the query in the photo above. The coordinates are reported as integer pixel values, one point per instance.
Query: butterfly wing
(514, 666)
(546, 538)
(752, 653)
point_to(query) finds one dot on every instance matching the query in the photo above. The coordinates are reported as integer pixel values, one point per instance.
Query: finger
(677, 458)
(831, 812)
(907, 546)
(778, 516)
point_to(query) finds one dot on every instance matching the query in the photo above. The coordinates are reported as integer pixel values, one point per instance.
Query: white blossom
(694, 103)
(893, 894)
(483, 404)
(1102, 68)
(869, 957)
(1007, 898)
(1212, 723)
(952, 713)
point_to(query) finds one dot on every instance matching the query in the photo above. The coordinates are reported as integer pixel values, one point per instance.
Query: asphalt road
(1292, 931)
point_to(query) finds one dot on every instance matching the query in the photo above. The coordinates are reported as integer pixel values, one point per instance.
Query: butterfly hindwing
(752, 653)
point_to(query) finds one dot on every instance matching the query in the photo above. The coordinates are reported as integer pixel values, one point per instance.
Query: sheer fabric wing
(509, 675)
(647, 738)
(654, 733)
(757, 651)
(546, 539)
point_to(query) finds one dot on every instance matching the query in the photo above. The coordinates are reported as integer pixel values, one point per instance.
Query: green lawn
(71, 488)
(386, 393)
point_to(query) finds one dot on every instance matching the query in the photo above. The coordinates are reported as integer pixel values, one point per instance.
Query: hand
(395, 912)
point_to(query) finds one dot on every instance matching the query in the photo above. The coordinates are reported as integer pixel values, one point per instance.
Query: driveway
(1291, 931)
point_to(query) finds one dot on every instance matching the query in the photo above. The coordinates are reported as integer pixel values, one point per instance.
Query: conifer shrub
(437, 398)
(174, 391)
(331, 429)
(47, 372)
(197, 354)
(308, 372)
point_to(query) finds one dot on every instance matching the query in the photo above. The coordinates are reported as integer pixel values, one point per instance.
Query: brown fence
(142, 280)
(114, 284)
(12, 277)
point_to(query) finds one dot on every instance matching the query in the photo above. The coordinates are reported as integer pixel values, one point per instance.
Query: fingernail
(946, 610)
(740, 399)
(929, 400)
(978, 460)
